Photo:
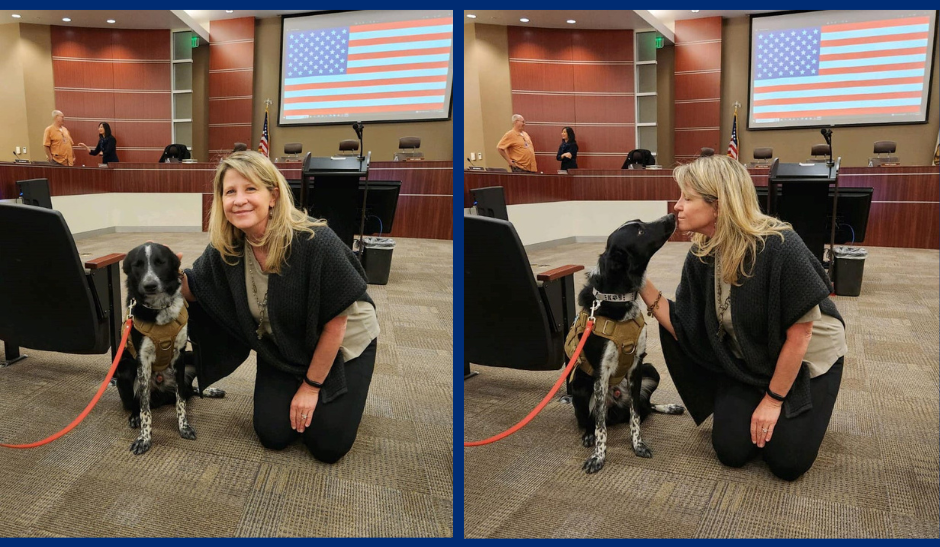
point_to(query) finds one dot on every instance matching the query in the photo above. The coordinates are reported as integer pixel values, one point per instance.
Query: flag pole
(736, 105)
(268, 102)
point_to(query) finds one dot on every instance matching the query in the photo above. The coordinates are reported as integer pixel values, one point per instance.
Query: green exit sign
(195, 40)
(659, 42)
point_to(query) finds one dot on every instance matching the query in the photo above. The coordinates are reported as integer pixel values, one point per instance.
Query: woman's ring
(304, 416)
(764, 430)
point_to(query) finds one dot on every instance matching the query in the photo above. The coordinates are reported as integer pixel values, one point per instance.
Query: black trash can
(377, 259)
(848, 269)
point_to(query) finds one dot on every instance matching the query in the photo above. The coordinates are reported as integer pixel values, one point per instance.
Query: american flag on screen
(381, 67)
(872, 67)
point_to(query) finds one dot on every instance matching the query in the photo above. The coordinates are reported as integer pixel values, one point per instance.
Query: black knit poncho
(786, 283)
(321, 279)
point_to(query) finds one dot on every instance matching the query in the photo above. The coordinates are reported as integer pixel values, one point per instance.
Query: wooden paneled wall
(119, 76)
(698, 87)
(577, 78)
(231, 76)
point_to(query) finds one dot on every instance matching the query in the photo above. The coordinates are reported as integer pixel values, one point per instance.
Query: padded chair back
(706, 151)
(409, 142)
(886, 147)
(763, 153)
(45, 299)
(348, 145)
(293, 148)
(820, 150)
(505, 322)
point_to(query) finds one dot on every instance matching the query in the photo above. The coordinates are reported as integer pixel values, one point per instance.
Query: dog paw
(187, 432)
(140, 446)
(588, 440)
(593, 464)
(669, 409)
(213, 393)
(642, 450)
(134, 422)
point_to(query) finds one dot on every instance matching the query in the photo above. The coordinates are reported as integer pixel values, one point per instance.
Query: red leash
(93, 402)
(536, 410)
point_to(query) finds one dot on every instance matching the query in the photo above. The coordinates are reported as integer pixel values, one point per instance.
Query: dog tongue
(159, 378)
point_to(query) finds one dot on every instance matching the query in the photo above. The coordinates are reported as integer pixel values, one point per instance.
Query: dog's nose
(150, 287)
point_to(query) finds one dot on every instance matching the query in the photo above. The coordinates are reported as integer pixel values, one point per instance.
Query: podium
(334, 195)
(805, 194)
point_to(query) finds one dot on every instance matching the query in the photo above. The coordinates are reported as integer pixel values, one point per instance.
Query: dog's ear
(174, 260)
(128, 260)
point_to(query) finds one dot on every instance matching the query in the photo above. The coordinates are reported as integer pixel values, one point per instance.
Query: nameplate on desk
(102, 166)
(20, 160)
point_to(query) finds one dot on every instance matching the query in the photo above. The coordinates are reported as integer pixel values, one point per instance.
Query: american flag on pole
(733, 145)
(851, 69)
(381, 67)
(263, 146)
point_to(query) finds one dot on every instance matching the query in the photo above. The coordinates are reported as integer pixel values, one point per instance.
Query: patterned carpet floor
(396, 481)
(876, 474)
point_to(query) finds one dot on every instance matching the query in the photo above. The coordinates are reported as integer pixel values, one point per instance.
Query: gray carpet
(396, 481)
(876, 474)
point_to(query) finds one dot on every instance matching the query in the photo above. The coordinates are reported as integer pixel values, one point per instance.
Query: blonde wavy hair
(740, 228)
(284, 222)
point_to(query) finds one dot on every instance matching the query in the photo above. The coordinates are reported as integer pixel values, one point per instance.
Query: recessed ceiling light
(571, 21)
(471, 16)
(66, 19)
(524, 20)
(696, 11)
(229, 11)
(111, 21)
(16, 15)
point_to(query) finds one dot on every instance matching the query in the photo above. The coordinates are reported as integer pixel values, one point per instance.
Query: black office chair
(175, 153)
(509, 319)
(48, 301)
(240, 147)
(639, 159)
(706, 151)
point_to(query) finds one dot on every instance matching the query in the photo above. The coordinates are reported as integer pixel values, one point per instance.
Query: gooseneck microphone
(827, 134)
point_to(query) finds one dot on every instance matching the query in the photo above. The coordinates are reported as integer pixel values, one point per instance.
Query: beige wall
(472, 122)
(665, 107)
(489, 61)
(916, 143)
(437, 138)
(201, 103)
(12, 93)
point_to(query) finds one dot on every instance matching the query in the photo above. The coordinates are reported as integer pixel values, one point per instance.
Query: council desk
(425, 204)
(905, 209)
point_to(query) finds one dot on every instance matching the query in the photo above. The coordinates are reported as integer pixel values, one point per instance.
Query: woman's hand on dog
(302, 407)
(764, 419)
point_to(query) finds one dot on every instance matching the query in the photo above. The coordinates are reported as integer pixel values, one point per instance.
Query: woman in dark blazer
(568, 150)
(107, 144)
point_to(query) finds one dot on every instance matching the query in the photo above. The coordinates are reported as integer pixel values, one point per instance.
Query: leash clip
(594, 306)
(130, 309)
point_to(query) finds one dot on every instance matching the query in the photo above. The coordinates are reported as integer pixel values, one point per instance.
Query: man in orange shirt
(57, 141)
(516, 148)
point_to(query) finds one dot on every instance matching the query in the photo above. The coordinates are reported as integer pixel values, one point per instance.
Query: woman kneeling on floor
(278, 282)
(752, 336)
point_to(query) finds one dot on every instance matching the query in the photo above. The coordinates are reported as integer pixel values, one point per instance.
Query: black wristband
(774, 396)
(311, 383)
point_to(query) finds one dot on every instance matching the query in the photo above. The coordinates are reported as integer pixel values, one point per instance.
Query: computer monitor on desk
(35, 192)
(381, 204)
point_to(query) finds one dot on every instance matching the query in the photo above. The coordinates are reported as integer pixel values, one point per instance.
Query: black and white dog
(615, 284)
(152, 372)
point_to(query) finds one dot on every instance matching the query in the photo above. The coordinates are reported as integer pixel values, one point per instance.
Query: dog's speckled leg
(599, 407)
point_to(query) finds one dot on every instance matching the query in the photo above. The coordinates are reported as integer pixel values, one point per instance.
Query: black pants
(795, 442)
(334, 425)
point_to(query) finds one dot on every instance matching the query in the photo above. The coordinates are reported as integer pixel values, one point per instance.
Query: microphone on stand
(827, 134)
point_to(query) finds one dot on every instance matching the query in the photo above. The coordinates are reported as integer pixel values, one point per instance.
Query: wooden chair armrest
(558, 273)
(104, 261)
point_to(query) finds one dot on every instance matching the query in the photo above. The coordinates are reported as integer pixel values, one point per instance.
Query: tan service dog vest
(626, 334)
(162, 336)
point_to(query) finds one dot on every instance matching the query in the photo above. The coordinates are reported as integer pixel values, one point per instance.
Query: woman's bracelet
(655, 305)
(774, 396)
(311, 383)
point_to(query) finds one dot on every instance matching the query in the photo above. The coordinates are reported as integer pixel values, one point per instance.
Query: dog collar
(135, 303)
(608, 297)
